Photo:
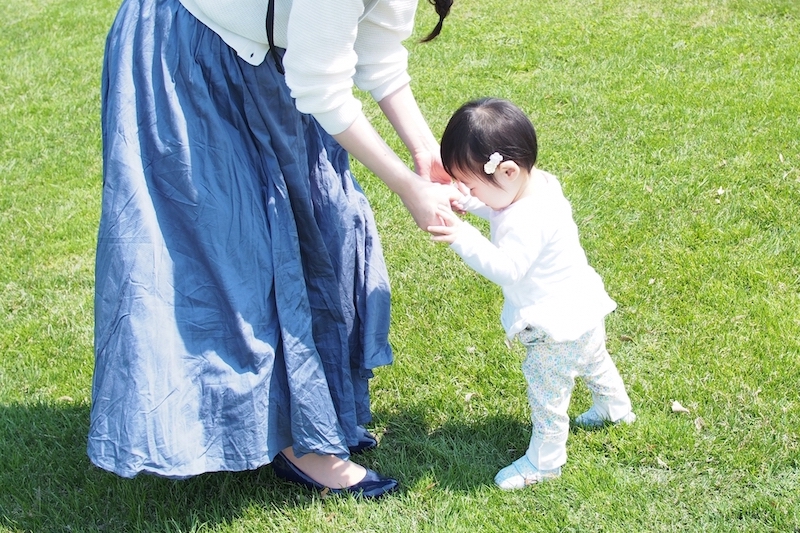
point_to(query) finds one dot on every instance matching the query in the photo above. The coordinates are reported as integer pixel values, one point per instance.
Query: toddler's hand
(458, 205)
(449, 231)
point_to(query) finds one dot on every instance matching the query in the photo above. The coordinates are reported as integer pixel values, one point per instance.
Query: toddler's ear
(509, 170)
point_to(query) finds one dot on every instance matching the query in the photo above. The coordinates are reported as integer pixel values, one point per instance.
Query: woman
(242, 299)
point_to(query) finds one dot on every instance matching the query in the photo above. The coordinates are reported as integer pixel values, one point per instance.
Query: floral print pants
(550, 370)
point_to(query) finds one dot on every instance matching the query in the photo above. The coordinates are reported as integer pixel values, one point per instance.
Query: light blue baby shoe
(593, 419)
(521, 473)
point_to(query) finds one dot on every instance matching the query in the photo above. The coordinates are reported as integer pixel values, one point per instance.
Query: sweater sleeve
(504, 264)
(475, 207)
(382, 65)
(320, 60)
(328, 49)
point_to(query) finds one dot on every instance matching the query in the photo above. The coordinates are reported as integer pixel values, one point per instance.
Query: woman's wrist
(365, 144)
(406, 118)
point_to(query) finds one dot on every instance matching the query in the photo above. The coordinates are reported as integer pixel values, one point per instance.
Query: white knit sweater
(330, 45)
(536, 257)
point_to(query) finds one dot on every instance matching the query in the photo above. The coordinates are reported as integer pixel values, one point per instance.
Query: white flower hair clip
(491, 165)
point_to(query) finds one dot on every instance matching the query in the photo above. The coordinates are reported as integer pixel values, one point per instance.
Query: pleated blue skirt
(242, 299)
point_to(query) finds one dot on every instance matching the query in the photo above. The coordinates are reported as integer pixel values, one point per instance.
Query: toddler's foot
(593, 419)
(521, 473)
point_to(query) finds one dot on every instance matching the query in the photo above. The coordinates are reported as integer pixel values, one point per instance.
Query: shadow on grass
(47, 482)
(462, 454)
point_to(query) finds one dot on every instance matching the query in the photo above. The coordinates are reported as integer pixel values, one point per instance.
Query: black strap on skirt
(270, 36)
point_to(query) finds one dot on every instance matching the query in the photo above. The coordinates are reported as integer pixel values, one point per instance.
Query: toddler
(555, 303)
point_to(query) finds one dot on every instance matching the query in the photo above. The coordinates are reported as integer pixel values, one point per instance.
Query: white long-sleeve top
(330, 46)
(536, 257)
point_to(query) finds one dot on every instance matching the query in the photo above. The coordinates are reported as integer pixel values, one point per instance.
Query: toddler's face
(494, 196)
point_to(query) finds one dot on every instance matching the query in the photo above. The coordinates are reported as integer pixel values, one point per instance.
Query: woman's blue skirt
(242, 298)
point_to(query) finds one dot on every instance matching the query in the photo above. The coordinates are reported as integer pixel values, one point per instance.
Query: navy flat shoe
(372, 486)
(366, 442)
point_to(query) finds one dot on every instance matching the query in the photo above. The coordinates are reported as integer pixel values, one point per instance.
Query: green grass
(674, 126)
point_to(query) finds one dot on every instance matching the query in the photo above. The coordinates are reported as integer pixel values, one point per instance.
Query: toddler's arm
(472, 205)
(503, 266)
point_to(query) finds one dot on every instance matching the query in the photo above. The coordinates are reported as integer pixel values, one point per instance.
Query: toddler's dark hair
(482, 127)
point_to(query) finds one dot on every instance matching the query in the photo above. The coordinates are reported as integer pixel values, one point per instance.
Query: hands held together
(441, 221)
(448, 229)
(433, 201)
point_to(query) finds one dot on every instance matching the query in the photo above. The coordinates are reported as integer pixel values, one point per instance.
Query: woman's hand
(449, 230)
(421, 196)
(426, 201)
(428, 164)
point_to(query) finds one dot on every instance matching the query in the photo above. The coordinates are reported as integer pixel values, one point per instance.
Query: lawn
(674, 126)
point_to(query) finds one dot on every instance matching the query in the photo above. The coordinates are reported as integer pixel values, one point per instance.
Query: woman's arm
(420, 196)
(402, 110)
